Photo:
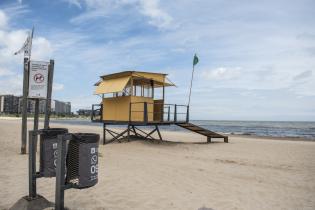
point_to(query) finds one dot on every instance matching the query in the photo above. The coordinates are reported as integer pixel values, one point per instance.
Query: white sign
(38, 79)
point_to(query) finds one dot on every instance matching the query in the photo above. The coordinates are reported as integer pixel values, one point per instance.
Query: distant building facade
(84, 112)
(10, 104)
(60, 107)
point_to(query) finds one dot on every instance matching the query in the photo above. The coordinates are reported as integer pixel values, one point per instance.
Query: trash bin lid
(53, 132)
(86, 137)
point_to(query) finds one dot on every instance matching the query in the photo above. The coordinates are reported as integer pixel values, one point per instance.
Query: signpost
(24, 106)
(49, 91)
(27, 49)
(37, 85)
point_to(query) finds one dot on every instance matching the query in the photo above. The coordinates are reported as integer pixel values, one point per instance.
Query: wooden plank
(202, 131)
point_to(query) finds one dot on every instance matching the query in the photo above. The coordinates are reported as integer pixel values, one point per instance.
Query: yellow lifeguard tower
(135, 99)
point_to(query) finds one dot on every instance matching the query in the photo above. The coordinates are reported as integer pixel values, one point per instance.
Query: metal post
(35, 125)
(168, 113)
(175, 113)
(187, 114)
(102, 109)
(128, 133)
(24, 106)
(145, 112)
(104, 133)
(60, 174)
(152, 86)
(36, 115)
(32, 165)
(130, 105)
(92, 112)
(49, 93)
(131, 86)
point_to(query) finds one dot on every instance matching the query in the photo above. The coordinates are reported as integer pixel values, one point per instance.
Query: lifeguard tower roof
(116, 82)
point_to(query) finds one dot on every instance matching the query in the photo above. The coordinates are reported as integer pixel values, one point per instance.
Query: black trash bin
(82, 160)
(48, 150)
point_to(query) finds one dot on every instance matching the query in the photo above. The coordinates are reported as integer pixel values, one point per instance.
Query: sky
(256, 58)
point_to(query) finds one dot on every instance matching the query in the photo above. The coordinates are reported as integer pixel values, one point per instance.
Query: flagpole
(192, 77)
(30, 52)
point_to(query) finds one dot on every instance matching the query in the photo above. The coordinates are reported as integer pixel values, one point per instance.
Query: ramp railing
(96, 112)
(158, 112)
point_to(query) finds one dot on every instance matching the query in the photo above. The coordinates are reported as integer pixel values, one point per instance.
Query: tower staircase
(197, 129)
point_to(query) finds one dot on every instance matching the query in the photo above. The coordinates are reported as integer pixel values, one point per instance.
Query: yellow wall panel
(117, 108)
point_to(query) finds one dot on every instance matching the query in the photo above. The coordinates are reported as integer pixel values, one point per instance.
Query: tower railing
(166, 113)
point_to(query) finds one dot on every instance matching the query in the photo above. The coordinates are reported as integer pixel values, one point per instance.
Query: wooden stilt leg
(158, 131)
(128, 133)
(104, 133)
(209, 139)
(134, 130)
(226, 139)
(149, 134)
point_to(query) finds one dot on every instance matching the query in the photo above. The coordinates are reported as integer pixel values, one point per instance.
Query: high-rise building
(60, 107)
(11, 104)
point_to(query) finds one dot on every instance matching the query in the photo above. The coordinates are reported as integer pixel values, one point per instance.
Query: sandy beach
(247, 173)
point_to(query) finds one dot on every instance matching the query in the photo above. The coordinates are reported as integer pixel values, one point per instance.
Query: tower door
(158, 110)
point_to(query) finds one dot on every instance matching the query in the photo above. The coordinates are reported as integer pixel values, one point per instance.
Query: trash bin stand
(60, 171)
(61, 181)
(32, 164)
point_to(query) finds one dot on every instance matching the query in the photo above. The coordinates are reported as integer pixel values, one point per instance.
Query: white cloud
(11, 41)
(103, 8)
(42, 48)
(5, 72)
(158, 17)
(3, 19)
(222, 73)
(74, 2)
(303, 75)
(11, 84)
(303, 84)
(15, 11)
(57, 86)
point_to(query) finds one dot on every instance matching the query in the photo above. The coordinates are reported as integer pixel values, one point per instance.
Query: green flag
(196, 60)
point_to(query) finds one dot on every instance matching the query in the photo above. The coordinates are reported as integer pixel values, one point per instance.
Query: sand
(247, 173)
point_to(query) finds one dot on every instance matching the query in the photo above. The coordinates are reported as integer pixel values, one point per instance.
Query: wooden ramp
(202, 131)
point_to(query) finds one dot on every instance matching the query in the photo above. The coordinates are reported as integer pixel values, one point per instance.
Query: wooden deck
(137, 123)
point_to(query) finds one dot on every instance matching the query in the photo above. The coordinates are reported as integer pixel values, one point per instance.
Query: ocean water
(305, 130)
